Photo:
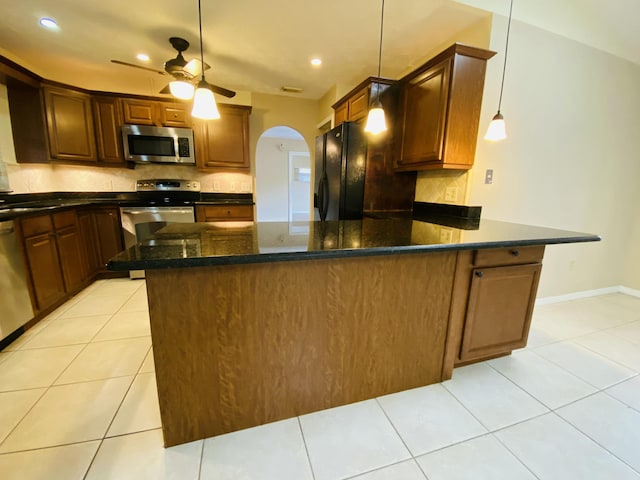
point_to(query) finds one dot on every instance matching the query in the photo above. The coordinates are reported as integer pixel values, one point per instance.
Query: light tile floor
(78, 400)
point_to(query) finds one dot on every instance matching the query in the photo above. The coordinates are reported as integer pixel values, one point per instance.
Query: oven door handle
(138, 211)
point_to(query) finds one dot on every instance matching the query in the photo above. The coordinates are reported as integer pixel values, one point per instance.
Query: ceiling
(258, 46)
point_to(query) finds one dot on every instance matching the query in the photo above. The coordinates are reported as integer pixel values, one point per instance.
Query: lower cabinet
(54, 256)
(221, 213)
(102, 236)
(495, 295)
(65, 250)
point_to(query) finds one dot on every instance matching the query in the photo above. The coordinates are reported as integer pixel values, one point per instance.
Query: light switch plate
(488, 176)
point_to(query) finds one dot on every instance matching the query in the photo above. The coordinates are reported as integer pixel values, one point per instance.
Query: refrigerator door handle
(323, 196)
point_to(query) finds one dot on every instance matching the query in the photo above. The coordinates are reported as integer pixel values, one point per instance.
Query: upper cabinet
(354, 106)
(439, 111)
(151, 112)
(106, 115)
(69, 125)
(223, 144)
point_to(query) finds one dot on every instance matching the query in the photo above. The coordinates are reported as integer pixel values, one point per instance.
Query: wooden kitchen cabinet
(69, 125)
(108, 233)
(107, 115)
(223, 144)
(222, 213)
(354, 106)
(439, 111)
(54, 254)
(90, 248)
(139, 111)
(494, 295)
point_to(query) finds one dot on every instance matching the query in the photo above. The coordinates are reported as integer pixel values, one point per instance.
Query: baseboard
(630, 291)
(586, 294)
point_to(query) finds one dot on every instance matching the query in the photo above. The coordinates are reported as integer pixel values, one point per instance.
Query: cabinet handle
(479, 274)
(515, 253)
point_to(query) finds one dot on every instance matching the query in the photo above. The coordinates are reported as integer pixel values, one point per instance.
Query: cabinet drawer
(213, 213)
(64, 219)
(36, 225)
(508, 256)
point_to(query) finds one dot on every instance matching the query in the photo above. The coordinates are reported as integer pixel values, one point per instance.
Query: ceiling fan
(180, 69)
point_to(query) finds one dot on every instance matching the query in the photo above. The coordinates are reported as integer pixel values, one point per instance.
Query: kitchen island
(257, 322)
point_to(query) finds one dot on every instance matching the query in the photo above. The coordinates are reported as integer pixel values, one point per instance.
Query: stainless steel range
(161, 201)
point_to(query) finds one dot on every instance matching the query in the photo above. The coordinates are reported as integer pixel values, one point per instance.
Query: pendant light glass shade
(376, 122)
(497, 129)
(181, 89)
(204, 103)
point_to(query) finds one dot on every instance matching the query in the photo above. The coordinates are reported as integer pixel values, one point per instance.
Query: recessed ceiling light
(316, 62)
(49, 23)
(143, 57)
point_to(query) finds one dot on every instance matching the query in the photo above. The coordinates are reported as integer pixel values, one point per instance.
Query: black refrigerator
(341, 157)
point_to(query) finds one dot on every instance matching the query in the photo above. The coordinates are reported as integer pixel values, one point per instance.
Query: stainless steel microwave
(147, 144)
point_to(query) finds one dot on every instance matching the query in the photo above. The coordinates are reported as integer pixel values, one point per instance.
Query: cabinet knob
(479, 274)
(515, 253)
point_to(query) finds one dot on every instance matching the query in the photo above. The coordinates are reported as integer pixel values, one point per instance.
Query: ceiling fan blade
(222, 91)
(126, 64)
(193, 67)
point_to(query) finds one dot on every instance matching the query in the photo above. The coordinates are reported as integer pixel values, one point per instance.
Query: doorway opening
(283, 176)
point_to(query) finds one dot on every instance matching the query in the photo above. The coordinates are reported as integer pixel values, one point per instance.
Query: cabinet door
(499, 310)
(44, 266)
(341, 114)
(108, 233)
(69, 125)
(89, 242)
(175, 115)
(139, 112)
(72, 261)
(359, 105)
(108, 118)
(424, 116)
(217, 213)
(223, 143)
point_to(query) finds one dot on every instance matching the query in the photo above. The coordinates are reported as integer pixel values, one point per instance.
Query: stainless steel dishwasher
(15, 303)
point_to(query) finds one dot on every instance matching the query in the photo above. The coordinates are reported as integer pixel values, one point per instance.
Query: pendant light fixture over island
(376, 122)
(204, 102)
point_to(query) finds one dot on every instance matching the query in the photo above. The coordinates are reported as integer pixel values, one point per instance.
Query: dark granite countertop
(204, 244)
(17, 205)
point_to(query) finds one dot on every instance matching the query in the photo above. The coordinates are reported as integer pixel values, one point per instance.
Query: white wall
(572, 158)
(272, 177)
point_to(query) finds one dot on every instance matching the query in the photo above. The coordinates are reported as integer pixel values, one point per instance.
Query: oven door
(140, 223)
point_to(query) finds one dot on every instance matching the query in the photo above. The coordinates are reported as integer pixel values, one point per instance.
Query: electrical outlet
(488, 176)
(217, 186)
(233, 186)
(451, 194)
(245, 187)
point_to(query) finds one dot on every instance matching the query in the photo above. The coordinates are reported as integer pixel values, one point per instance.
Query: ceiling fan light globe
(204, 103)
(181, 89)
(376, 122)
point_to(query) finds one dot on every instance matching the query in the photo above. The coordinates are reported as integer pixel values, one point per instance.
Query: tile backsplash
(71, 178)
(442, 186)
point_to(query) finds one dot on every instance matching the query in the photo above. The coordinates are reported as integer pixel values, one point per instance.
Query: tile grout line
(306, 447)
(93, 459)
(521, 461)
(577, 429)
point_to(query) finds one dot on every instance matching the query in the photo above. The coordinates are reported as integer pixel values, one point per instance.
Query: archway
(283, 176)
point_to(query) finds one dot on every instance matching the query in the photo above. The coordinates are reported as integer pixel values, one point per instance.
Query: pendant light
(376, 122)
(204, 103)
(497, 129)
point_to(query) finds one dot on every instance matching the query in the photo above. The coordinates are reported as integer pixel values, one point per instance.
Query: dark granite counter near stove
(17, 205)
(198, 245)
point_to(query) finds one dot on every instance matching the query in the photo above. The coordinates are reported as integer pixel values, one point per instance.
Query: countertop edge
(154, 264)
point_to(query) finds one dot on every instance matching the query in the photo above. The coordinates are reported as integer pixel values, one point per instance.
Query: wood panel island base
(251, 337)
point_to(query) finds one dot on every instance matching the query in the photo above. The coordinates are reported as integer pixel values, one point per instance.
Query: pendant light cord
(506, 49)
(381, 30)
(201, 52)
